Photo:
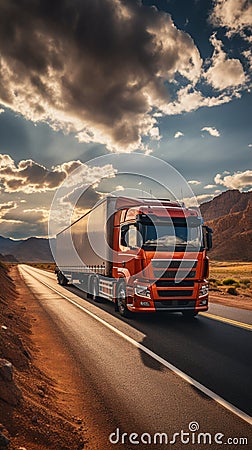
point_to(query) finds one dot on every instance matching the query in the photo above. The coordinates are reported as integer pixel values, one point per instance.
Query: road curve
(155, 373)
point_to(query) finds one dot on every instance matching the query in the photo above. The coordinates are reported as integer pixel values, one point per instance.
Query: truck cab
(162, 259)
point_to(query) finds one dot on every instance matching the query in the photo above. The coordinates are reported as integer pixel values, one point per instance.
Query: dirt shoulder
(39, 408)
(237, 301)
(234, 276)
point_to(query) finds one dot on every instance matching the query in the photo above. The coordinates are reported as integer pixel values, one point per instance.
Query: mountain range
(229, 215)
(27, 250)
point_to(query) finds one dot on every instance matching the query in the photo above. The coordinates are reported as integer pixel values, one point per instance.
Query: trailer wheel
(94, 289)
(189, 314)
(122, 300)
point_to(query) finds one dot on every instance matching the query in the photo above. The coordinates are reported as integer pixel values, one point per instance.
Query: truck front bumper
(172, 305)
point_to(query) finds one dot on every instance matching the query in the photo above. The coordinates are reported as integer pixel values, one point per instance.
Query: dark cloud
(28, 176)
(27, 216)
(4, 207)
(96, 67)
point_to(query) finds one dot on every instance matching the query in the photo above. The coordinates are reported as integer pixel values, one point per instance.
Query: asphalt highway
(157, 373)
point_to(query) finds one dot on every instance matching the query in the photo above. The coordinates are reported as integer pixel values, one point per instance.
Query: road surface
(157, 373)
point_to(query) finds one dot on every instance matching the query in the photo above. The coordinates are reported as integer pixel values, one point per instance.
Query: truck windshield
(171, 235)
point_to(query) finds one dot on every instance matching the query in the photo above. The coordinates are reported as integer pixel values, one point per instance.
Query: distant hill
(27, 250)
(8, 258)
(230, 216)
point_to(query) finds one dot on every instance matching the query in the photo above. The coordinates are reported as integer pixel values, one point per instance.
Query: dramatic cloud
(28, 176)
(234, 15)
(96, 68)
(239, 180)
(224, 72)
(27, 216)
(5, 207)
(212, 131)
(178, 134)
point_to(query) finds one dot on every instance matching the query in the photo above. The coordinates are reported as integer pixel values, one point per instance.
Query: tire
(189, 314)
(122, 300)
(94, 295)
(62, 280)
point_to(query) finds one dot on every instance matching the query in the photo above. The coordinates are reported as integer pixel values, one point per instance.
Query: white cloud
(178, 134)
(239, 180)
(190, 99)
(204, 198)
(119, 188)
(234, 15)
(248, 56)
(249, 145)
(224, 72)
(194, 182)
(155, 134)
(210, 186)
(198, 199)
(212, 131)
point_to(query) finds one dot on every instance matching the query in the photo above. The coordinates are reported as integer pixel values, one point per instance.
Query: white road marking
(221, 401)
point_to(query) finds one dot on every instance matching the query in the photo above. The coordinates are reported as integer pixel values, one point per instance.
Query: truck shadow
(172, 336)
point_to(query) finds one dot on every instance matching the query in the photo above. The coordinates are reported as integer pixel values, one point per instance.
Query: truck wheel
(122, 300)
(94, 290)
(189, 314)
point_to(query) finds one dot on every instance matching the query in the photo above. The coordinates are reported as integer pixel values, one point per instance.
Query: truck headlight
(203, 290)
(142, 290)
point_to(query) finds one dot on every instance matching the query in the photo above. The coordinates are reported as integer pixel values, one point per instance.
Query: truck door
(130, 247)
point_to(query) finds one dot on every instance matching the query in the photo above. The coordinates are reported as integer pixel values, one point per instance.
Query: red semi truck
(145, 255)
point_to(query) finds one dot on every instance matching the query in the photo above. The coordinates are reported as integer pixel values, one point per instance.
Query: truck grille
(165, 268)
(172, 274)
(174, 293)
(173, 263)
(172, 284)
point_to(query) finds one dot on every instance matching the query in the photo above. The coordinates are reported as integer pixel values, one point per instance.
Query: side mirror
(207, 234)
(124, 230)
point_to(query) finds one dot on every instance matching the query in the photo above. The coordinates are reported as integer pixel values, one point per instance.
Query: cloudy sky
(82, 79)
